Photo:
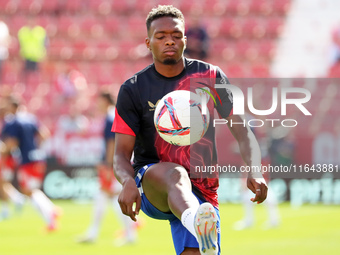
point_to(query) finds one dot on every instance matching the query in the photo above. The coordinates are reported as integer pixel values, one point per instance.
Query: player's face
(166, 40)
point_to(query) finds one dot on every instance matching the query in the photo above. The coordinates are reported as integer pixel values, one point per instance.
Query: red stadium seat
(212, 26)
(266, 49)
(230, 27)
(186, 6)
(281, 7)
(237, 7)
(253, 28)
(3, 4)
(245, 50)
(68, 25)
(136, 27)
(209, 7)
(146, 6)
(49, 23)
(92, 69)
(107, 50)
(217, 48)
(103, 73)
(73, 6)
(260, 70)
(235, 71)
(14, 47)
(219, 9)
(10, 74)
(274, 27)
(112, 25)
(334, 71)
(261, 7)
(90, 26)
(16, 22)
(49, 6)
(32, 80)
(126, 48)
(59, 49)
(79, 48)
(45, 20)
(121, 71)
(102, 7)
(26, 6)
(121, 7)
(9, 6)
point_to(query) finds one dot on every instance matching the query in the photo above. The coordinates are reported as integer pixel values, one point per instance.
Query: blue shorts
(180, 235)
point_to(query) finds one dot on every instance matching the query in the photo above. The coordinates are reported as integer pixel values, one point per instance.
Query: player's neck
(170, 70)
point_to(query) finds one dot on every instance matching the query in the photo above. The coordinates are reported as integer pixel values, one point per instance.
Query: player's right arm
(124, 173)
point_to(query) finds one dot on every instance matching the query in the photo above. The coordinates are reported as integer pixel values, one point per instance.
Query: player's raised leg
(167, 187)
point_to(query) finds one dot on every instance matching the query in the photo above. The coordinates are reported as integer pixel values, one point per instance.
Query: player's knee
(178, 174)
(26, 192)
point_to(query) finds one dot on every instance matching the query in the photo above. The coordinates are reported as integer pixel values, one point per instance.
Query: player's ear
(147, 42)
(185, 42)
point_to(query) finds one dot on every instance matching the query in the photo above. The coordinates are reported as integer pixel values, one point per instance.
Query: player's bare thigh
(191, 251)
(159, 179)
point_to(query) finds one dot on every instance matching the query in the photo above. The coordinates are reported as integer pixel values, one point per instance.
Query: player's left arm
(251, 154)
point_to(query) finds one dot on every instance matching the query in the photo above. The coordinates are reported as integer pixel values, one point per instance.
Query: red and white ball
(178, 118)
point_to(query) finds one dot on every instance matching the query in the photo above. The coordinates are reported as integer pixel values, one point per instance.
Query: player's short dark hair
(163, 11)
(108, 97)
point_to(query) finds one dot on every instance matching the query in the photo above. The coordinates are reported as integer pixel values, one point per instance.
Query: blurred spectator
(4, 43)
(74, 121)
(334, 71)
(198, 38)
(335, 48)
(70, 81)
(33, 42)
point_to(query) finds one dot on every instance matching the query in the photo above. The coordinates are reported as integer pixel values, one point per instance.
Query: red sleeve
(119, 126)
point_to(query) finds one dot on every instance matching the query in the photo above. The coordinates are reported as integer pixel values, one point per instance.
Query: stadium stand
(104, 40)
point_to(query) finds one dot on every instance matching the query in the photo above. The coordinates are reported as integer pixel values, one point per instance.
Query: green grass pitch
(310, 229)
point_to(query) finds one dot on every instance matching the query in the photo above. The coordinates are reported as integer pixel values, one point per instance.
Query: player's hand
(259, 187)
(128, 197)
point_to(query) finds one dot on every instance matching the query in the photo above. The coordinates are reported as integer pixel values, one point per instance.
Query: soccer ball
(178, 118)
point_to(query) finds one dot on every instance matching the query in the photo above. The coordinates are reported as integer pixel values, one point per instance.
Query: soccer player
(109, 186)
(158, 182)
(21, 131)
(7, 169)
